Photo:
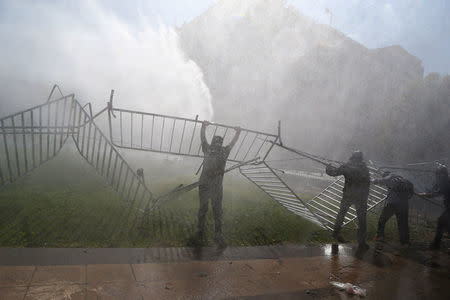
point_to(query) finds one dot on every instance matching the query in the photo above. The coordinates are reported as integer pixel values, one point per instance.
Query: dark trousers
(442, 226)
(361, 210)
(212, 190)
(401, 212)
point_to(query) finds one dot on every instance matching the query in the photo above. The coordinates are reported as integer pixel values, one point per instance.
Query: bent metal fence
(32, 137)
(181, 136)
(98, 151)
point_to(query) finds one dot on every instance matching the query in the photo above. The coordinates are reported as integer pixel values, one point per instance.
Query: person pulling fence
(356, 192)
(400, 191)
(441, 188)
(210, 184)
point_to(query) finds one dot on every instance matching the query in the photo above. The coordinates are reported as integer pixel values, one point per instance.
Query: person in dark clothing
(215, 158)
(441, 188)
(400, 191)
(356, 192)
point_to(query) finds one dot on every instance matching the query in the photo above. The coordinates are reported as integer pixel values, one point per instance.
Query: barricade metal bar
(24, 145)
(121, 128)
(182, 136)
(278, 190)
(240, 146)
(29, 132)
(120, 182)
(131, 128)
(187, 119)
(193, 132)
(36, 107)
(151, 137)
(32, 140)
(8, 163)
(15, 147)
(98, 151)
(56, 124)
(40, 136)
(120, 175)
(124, 182)
(131, 187)
(79, 124)
(249, 148)
(1, 175)
(70, 122)
(18, 133)
(332, 195)
(85, 117)
(92, 148)
(109, 162)
(171, 136)
(142, 130)
(262, 144)
(63, 121)
(162, 134)
(114, 169)
(104, 156)
(88, 138)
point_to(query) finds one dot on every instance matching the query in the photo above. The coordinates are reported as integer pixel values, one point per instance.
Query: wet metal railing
(32, 137)
(97, 150)
(267, 180)
(181, 136)
(326, 204)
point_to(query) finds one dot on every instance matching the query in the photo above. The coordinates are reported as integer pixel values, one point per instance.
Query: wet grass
(64, 204)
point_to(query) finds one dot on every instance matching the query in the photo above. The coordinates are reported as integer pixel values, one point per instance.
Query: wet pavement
(267, 272)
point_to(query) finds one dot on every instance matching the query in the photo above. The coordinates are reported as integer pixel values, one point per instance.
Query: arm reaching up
(236, 137)
(335, 171)
(205, 144)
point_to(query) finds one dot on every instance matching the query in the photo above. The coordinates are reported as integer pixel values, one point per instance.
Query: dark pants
(210, 190)
(361, 210)
(401, 212)
(442, 226)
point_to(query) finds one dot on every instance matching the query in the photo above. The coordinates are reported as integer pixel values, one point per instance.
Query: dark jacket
(357, 180)
(441, 188)
(399, 189)
(214, 162)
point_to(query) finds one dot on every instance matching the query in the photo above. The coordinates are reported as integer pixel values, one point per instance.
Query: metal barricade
(181, 136)
(327, 203)
(267, 180)
(32, 137)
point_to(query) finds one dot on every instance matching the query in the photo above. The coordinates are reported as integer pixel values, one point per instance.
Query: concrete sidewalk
(286, 272)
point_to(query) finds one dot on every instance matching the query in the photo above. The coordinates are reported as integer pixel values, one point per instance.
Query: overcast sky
(422, 27)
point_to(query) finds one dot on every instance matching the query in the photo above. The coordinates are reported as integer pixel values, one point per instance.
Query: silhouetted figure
(441, 188)
(356, 192)
(211, 181)
(400, 191)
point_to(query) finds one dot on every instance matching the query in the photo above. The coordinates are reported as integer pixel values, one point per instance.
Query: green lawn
(65, 204)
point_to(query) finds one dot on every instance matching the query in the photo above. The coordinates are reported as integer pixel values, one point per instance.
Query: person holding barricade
(211, 178)
(400, 191)
(441, 188)
(356, 192)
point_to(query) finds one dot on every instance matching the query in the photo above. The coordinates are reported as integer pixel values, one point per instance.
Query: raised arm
(235, 138)
(205, 144)
(435, 192)
(383, 181)
(335, 171)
